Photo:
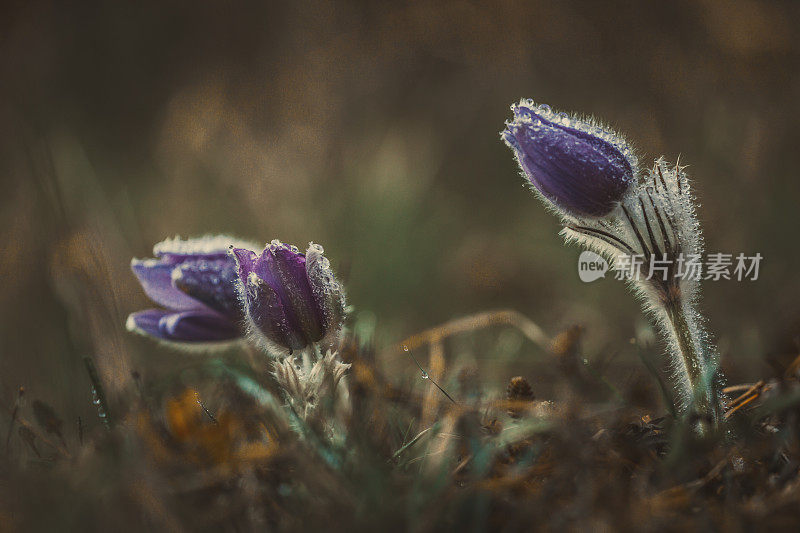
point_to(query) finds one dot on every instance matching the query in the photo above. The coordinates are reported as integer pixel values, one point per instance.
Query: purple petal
(156, 280)
(187, 326)
(245, 262)
(284, 270)
(584, 184)
(586, 172)
(612, 152)
(268, 315)
(210, 281)
(146, 322)
(197, 326)
(327, 292)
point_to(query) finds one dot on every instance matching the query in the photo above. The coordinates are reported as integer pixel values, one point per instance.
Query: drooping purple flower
(581, 168)
(291, 300)
(194, 282)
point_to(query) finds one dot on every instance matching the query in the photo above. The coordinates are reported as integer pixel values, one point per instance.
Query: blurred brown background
(372, 128)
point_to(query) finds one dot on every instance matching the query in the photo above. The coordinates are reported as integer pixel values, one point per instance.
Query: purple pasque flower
(193, 281)
(581, 168)
(291, 300)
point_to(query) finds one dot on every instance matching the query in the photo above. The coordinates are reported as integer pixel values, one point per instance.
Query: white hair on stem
(657, 221)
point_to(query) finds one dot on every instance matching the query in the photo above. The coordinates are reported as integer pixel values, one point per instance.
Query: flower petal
(285, 271)
(197, 326)
(267, 314)
(327, 292)
(187, 326)
(155, 277)
(245, 262)
(581, 168)
(210, 281)
(146, 322)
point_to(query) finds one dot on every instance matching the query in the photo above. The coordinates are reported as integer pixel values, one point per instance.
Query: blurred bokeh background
(372, 128)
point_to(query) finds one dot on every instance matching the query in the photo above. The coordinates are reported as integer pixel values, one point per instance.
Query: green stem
(700, 367)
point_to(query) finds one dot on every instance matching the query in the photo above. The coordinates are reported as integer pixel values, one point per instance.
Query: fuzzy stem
(685, 331)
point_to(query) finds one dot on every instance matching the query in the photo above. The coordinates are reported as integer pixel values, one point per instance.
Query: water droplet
(425, 375)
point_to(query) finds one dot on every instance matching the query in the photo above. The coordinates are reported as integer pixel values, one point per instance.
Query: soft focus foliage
(229, 455)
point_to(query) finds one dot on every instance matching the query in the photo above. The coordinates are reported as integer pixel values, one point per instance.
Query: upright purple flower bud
(194, 281)
(579, 167)
(589, 176)
(290, 299)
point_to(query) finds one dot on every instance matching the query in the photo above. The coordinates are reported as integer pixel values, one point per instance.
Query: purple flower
(194, 282)
(583, 169)
(290, 299)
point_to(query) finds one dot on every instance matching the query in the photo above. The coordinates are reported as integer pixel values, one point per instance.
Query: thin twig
(755, 387)
(478, 321)
(745, 402)
(750, 395)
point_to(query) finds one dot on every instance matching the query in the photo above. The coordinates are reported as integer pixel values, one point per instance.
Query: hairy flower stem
(643, 222)
(693, 357)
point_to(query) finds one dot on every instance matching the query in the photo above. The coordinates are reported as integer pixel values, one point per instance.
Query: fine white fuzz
(310, 386)
(645, 237)
(207, 244)
(587, 124)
